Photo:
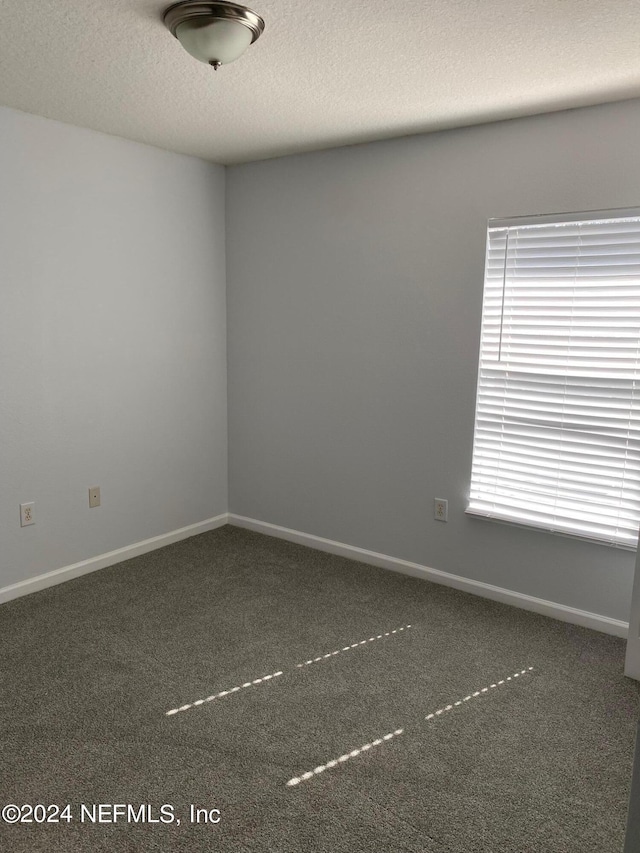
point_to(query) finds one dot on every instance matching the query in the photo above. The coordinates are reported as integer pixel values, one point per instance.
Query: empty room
(319, 426)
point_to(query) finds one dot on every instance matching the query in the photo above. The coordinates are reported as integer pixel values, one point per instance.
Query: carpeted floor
(536, 762)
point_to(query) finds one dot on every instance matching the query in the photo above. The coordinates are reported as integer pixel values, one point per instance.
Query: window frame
(568, 218)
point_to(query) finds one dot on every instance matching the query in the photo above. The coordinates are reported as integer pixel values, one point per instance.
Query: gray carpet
(89, 669)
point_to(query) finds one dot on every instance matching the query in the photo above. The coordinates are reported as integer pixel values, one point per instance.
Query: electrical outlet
(440, 509)
(27, 514)
(94, 496)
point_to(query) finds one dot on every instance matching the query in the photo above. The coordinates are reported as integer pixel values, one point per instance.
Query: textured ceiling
(323, 73)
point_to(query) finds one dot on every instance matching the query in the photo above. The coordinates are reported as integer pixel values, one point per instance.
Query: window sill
(593, 540)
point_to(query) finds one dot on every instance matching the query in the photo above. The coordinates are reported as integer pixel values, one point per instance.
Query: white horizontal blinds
(557, 434)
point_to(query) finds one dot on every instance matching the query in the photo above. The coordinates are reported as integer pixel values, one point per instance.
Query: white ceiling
(322, 74)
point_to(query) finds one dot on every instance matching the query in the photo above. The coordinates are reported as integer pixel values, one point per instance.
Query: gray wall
(355, 291)
(112, 343)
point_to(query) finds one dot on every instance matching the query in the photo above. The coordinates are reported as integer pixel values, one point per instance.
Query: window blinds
(556, 442)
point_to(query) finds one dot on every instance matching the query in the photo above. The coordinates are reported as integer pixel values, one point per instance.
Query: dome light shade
(215, 33)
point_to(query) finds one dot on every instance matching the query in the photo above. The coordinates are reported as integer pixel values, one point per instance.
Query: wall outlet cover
(440, 509)
(27, 514)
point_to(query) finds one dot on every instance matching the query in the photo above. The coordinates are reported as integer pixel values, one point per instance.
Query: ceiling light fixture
(215, 33)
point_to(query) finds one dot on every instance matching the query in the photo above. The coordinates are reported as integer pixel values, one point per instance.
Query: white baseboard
(603, 624)
(57, 576)
(517, 599)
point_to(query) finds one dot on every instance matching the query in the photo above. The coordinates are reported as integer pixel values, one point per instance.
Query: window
(556, 442)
